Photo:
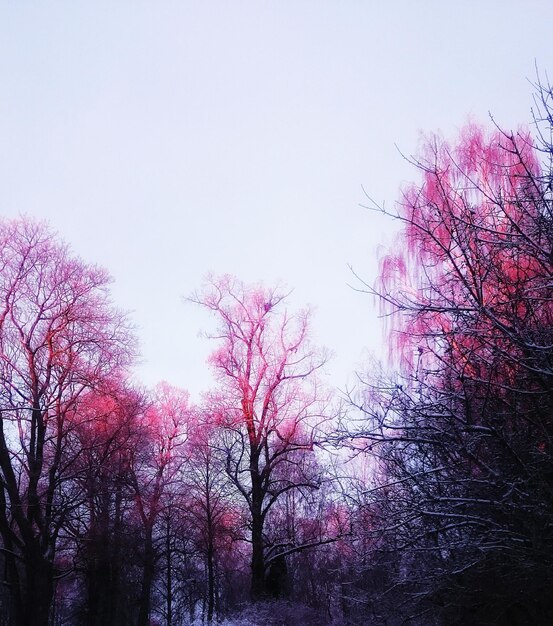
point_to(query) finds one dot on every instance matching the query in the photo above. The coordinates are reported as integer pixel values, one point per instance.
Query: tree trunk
(38, 591)
(169, 579)
(210, 556)
(258, 556)
(147, 580)
(258, 591)
(210, 580)
(11, 579)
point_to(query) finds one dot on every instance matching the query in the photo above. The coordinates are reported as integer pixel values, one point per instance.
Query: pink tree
(207, 501)
(473, 260)
(155, 468)
(269, 403)
(466, 436)
(59, 336)
(104, 531)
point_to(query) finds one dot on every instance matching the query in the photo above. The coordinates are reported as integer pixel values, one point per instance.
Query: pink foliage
(265, 363)
(167, 421)
(105, 417)
(165, 424)
(55, 313)
(61, 341)
(470, 243)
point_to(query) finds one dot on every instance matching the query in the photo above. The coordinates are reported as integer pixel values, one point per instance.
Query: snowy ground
(278, 613)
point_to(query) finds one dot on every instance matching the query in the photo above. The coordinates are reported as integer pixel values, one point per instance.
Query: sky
(167, 140)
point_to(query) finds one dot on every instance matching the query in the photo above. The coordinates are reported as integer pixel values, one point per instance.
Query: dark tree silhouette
(464, 436)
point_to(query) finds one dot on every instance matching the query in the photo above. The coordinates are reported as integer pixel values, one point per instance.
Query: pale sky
(165, 140)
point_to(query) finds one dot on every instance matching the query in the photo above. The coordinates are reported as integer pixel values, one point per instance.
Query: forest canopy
(423, 497)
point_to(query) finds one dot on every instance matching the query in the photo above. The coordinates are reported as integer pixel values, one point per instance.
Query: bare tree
(59, 336)
(155, 469)
(268, 402)
(103, 529)
(463, 437)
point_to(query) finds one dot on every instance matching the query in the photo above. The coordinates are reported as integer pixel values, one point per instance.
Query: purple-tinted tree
(155, 470)
(464, 435)
(59, 337)
(268, 404)
(104, 529)
(207, 504)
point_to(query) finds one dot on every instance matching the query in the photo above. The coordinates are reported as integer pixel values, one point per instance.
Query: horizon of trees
(424, 497)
